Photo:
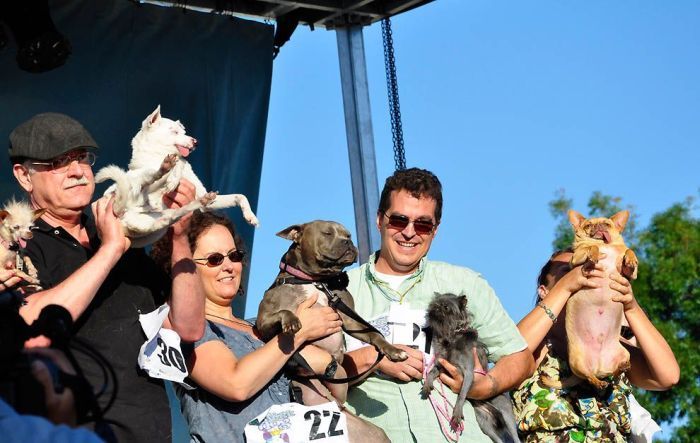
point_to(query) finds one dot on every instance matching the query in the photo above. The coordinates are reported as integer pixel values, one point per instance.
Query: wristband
(330, 370)
(480, 371)
(547, 311)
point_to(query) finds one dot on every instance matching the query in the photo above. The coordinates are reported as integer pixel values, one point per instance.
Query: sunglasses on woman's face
(217, 258)
(400, 222)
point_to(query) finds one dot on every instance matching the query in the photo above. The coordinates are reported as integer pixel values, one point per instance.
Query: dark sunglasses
(61, 164)
(217, 258)
(400, 222)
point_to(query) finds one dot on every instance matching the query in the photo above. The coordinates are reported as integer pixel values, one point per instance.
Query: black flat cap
(46, 136)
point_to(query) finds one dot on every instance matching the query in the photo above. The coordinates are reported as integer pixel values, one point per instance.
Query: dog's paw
(395, 354)
(291, 325)
(168, 162)
(624, 367)
(208, 198)
(33, 273)
(599, 384)
(630, 263)
(426, 390)
(593, 254)
(251, 219)
(456, 421)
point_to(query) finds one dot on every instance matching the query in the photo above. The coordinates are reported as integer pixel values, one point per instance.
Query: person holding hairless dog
(578, 412)
(393, 290)
(86, 265)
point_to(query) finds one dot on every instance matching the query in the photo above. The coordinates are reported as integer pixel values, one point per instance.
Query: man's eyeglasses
(400, 222)
(61, 164)
(215, 259)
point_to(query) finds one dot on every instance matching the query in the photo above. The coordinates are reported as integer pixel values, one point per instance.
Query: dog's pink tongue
(184, 151)
(22, 243)
(606, 236)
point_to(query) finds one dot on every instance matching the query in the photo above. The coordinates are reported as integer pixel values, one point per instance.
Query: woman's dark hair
(418, 182)
(201, 221)
(542, 278)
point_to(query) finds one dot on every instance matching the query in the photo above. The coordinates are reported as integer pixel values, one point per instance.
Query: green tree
(668, 289)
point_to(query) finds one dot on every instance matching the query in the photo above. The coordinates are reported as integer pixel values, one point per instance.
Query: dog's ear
(575, 218)
(620, 219)
(38, 213)
(3, 214)
(152, 118)
(462, 302)
(292, 233)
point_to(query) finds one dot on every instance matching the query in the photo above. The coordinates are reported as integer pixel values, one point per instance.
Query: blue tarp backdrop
(213, 73)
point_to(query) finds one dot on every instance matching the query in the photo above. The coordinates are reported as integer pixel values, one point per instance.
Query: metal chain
(392, 87)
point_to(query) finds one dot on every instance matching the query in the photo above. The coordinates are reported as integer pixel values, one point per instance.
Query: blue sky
(506, 103)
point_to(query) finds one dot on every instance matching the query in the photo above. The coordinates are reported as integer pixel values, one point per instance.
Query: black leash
(327, 285)
(335, 302)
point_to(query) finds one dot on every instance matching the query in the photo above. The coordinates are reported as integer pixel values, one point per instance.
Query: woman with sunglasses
(236, 376)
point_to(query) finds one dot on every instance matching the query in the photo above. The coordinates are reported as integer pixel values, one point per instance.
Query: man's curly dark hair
(418, 182)
(201, 221)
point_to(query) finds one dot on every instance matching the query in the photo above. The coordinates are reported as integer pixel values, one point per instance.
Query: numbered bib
(407, 327)
(401, 326)
(296, 423)
(160, 355)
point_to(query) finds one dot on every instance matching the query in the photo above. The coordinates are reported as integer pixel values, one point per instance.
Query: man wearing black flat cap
(85, 265)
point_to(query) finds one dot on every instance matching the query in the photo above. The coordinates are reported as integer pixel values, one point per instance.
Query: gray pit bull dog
(314, 263)
(319, 253)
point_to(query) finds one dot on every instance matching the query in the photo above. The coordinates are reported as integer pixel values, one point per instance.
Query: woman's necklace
(232, 320)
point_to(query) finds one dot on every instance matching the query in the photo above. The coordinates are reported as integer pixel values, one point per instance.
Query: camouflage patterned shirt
(577, 414)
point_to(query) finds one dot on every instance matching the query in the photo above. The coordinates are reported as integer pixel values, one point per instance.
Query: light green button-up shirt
(395, 406)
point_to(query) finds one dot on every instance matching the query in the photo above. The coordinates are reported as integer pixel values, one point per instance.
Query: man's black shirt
(111, 325)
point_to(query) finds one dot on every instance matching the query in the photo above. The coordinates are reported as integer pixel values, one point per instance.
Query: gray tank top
(212, 419)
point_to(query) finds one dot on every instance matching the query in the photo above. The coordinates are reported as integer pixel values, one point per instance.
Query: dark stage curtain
(212, 73)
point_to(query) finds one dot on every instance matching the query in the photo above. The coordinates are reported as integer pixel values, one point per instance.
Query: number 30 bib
(160, 355)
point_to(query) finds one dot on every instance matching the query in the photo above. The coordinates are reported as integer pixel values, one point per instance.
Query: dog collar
(296, 272)
(333, 282)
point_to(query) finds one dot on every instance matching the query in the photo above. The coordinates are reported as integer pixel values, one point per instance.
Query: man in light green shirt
(393, 290)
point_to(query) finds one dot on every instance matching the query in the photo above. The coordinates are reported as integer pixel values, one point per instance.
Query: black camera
(18, 387)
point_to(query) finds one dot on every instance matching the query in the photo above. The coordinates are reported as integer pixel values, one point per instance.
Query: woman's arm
(536, 324)
(186, 316)
(218, 370)
(654, 367)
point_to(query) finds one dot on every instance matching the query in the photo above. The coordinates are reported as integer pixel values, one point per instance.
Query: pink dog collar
(295, 272)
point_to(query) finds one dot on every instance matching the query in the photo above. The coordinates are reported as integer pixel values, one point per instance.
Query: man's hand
(60, 408)
(179, 197)
(407, 370)
(109, 228)
(451, 377)
(9, 277)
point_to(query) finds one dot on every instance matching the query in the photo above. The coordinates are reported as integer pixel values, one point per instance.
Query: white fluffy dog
(157, 165)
